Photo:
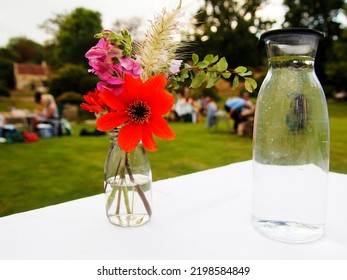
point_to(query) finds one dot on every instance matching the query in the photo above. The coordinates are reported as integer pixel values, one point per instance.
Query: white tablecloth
(204, 215)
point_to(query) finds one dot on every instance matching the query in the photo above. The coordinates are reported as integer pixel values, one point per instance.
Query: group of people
(186, 109)
(240, 109)
(21, 125)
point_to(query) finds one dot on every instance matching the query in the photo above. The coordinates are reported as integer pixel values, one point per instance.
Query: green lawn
(64, 168)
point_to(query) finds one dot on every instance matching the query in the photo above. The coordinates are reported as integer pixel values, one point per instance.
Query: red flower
(94, 103)
(140, 107)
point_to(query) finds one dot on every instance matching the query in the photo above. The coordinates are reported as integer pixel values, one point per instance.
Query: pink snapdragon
(115, 85)
(130, 66)
(109, 64)
(101, 59)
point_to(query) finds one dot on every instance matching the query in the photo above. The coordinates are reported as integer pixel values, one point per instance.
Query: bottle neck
(113, 136)
(292, 62)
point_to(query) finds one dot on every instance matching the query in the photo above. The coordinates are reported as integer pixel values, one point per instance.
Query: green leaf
(213, 68)
(240, 69)
(209, 58)
(125, 34)
(195, 58)
(226, 75)
(215, 58)
(99, 35)
(250, 84)
(202, 64)
(248, 73)
(198, 80)
(212, 81)
(184, 74)
(222, 65)
(235, 82)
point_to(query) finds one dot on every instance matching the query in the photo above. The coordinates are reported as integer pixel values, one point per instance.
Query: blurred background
(42, 47)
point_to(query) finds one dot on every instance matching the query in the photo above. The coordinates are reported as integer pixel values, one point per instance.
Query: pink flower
(108, 63)
(115, 85)
(175, 66)
(103, 70)
(130, 66)
(101, 59)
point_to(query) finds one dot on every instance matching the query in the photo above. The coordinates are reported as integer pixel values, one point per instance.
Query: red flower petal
(162, 103)
(147, 139)
(116, 102)
(111, 120)
(91, 108)
(160, 128)
(140, 126)
(152, 86)
(132, 87)
(156, 82)
(129, 136)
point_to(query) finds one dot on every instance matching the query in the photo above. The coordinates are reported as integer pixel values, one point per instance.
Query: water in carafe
(291, 141)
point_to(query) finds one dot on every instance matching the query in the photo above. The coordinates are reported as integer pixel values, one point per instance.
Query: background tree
(71, 78)
(7, 80)
(229, 28)
(24, 50)
(8, 54)
(336, 66)
(320, 15)
(73, 36)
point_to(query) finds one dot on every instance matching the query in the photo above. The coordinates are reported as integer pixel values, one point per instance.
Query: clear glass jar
(291, 141)
(127, 184)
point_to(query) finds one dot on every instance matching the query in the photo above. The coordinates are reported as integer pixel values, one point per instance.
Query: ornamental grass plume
(157, 54)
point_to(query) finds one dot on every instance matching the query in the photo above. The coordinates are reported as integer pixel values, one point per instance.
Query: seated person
(47, 111)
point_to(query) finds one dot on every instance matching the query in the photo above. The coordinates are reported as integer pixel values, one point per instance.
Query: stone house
(30, 76)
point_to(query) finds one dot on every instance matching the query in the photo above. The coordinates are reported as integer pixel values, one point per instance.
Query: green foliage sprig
(122, 40)
(210, 70)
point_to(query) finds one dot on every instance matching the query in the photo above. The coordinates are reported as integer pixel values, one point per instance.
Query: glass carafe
(291, 141)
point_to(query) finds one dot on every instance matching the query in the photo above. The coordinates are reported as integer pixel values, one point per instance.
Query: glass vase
(291, 141)
(127, 184)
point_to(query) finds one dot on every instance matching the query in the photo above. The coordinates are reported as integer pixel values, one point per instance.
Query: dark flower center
(139, 112)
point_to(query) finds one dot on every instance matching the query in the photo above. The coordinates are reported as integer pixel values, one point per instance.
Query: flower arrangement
(133, 89)
(132, 98)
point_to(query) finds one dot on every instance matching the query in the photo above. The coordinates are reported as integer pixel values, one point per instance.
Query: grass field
(59, 169)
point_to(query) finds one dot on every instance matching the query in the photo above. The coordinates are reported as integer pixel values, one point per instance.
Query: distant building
(30, 76)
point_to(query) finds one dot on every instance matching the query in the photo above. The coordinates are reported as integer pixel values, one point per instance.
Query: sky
(22, 17)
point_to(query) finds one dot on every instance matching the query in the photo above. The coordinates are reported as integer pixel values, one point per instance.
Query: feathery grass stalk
(159, 46)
